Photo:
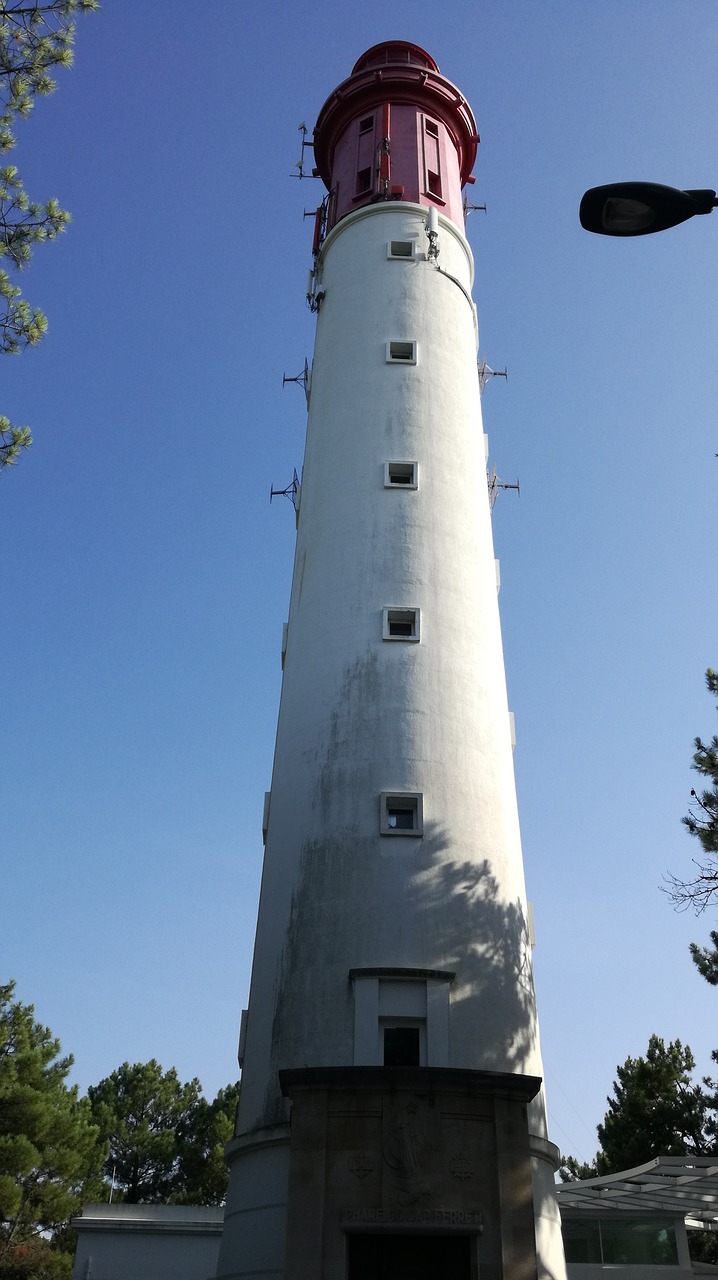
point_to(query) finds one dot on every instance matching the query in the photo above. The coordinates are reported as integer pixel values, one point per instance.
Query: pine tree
(573, 1170)
(166, 1142)
(50, 1152)
(706, 959)
(656, 1110)
(35, 37)
(702, 822)
(141, 1111)
(208, 1128)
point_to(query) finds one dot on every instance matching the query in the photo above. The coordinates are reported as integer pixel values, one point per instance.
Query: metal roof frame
(682, 1186)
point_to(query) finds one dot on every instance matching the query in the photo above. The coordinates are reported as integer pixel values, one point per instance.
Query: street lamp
(640, 208)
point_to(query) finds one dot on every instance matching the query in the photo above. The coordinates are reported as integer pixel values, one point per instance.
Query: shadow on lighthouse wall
(436, 911)
(484, 939)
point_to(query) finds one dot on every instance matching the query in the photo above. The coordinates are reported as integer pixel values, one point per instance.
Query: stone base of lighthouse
(395, 1174)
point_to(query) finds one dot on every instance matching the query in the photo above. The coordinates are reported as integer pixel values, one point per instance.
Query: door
(404, 1257)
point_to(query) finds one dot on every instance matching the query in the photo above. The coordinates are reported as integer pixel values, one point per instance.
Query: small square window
(401, 813)
(401, 249)
(401, 475)
(366, 124)
(432, 128)
(401, 353)
(401, 624)
(363, 180)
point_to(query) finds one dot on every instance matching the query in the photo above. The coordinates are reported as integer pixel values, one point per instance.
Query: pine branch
(701, 821)
(34, 39)
(12, 441)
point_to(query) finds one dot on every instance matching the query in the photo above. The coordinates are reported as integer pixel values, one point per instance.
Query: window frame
(401, 257)
(391, 994)
(433, 177)
(365, 163)
(413, 800)
(401, 351)
(411, 483)
(411, 614)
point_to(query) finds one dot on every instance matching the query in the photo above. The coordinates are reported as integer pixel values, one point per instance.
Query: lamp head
(640, 208)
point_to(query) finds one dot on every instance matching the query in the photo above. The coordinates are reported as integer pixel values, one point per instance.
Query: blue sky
(146, 577)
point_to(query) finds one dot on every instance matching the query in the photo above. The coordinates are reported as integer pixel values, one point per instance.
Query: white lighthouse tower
(391, 1120)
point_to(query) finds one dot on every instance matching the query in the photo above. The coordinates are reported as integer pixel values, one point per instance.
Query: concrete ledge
(494, 1084)
(438, 975)
(151, 1218)
(271, 1136)
(542, 1149)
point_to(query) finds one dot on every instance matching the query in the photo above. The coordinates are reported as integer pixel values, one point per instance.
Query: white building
(391, 1120)
(636, 1224)
(147, 1242)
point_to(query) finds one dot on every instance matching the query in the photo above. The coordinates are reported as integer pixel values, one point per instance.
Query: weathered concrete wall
(361, 716)
(436, 1153)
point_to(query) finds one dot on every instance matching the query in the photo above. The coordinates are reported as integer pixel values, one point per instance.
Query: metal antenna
(302, 379)
(471, 208)
(495, 484)
(486, 372)
(321, 220)
(300, 162)
(291, 491)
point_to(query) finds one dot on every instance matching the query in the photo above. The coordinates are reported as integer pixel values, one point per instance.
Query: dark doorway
(401, 1047)
(403, 1257)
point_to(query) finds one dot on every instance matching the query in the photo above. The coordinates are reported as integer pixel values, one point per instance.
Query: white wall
(360, 715)
(147, 1242)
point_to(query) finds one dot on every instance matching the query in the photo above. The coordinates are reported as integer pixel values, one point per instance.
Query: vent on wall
(401, 352)
(405, 249)
(401, 475)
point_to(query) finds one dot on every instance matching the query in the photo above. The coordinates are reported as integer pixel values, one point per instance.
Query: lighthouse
(391, 1121)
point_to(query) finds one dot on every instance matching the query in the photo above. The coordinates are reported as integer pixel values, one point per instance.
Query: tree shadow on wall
(468, 926)
(407, 904)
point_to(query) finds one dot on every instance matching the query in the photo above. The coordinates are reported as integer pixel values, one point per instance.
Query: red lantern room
(396, 129)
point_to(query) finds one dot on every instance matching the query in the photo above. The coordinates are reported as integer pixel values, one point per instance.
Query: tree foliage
(573, 1170)
(165, 1140)
(140, 1110)
(655, 1110)
(702, 822)
(207, 1130)
(706, 959)
(35, 37)
(50, 1151)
